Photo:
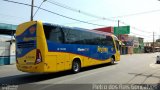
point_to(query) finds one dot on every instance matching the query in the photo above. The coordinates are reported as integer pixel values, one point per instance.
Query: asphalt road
(135, 69)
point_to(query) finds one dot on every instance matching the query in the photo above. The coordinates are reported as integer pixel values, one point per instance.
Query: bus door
(117, 49)
(61, 56)
(55, 39)
(106, 48)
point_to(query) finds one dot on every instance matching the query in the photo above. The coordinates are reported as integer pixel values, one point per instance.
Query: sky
(143, 16)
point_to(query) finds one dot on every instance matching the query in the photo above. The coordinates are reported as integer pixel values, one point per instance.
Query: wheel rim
(112, 61)
(76, 66)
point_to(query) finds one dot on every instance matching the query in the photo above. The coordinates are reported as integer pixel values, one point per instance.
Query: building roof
(7, 26)
(7, 29)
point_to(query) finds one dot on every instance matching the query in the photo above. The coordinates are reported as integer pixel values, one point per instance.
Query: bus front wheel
(112, 61)
(76, 66)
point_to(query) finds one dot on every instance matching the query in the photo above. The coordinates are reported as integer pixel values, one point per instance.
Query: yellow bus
(44, 47)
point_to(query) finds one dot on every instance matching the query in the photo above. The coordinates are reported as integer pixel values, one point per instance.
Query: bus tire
(76, 66)
(112, 60)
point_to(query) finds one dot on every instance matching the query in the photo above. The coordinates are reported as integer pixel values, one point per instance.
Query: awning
(7, 29)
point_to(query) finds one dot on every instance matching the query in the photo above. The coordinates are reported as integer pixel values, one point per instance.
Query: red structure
(106, 29)
(124, 37)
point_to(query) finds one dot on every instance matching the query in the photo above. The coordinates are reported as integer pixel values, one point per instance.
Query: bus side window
(56, 35)
(73, 36)
(69, 35)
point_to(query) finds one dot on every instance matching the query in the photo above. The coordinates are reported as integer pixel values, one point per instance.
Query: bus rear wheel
(76, 66)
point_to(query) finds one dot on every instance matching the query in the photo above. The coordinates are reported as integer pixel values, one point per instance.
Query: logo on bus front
(29, 38)
(30, 34)
(32, 29)
(102, 49)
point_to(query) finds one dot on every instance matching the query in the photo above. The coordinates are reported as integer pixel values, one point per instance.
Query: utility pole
(119, 37)
(153, 42)
(118, 28)
(118, 23)
(32, 4)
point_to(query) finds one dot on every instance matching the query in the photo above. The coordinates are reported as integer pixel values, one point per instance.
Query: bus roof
(82, 29)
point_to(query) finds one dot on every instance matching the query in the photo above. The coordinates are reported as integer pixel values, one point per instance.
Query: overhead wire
(54, 13)
(73, 18)
(39, 7)
(103, 18)
(134, 14)
(135, 28)
(91, 15)
(77, 10)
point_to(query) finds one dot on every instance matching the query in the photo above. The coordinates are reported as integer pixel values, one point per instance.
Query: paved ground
(132, 69)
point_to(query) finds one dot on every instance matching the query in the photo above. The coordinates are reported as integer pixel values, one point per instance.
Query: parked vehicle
(158, 59)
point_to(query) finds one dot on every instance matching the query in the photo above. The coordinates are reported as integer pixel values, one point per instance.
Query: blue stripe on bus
(90, 51)
(26, 37)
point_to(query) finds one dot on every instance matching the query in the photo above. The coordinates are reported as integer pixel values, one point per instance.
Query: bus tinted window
(109, 41)
(72, 36)
(78, 37)
(53, 33)
(83, 37)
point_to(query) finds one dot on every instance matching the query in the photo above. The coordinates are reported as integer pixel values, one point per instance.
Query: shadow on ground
(32, 77)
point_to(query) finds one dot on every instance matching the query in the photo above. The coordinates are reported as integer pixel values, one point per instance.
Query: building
(106, 29)
(7, 44)
(148, 47)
